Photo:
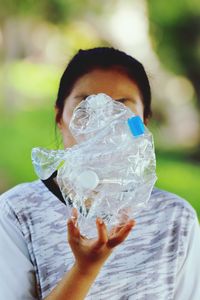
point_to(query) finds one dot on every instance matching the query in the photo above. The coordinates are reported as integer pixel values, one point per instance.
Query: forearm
(75, 285)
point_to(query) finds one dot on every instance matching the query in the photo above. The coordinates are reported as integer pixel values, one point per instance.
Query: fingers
(115, 229)
(120, 234)
(74, 215)
(118, 227)
(102, 233)
(117, 234)
(73, 231)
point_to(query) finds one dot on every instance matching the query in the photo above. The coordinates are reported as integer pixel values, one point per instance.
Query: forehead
(112, 82)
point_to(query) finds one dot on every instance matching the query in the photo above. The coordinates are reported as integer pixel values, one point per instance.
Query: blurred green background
(37, 39)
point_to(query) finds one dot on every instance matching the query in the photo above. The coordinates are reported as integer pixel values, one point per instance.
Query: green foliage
(55, 11)
(178, 174)
(169, 13)
(34, 81)
(175, 27)
(29, 119)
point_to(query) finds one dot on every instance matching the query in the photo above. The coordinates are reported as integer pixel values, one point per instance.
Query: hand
(90, 254)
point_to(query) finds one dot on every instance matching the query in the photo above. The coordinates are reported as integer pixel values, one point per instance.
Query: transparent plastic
(110, 172)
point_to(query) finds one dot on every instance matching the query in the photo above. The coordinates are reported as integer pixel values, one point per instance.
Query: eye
(122, 100)
(84, 97)
(78, 100)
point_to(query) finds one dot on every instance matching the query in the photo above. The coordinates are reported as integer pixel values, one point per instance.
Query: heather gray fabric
(144, 267)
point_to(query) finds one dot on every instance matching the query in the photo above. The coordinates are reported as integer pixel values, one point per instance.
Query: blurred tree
(24, 22)
(56, 11)
(175, 29)
(18, 17)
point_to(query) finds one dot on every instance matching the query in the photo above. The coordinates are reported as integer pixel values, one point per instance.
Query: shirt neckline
(53, 187)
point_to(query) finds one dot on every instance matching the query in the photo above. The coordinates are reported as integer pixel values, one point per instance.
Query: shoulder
(28, 203)
(20, 190)
(174, 217)
(21, 196)
(14, 253)
(171, 204)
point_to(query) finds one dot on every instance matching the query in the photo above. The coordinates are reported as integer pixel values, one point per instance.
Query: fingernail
(69, 221)
(130, 225)
(100, 221)
(131, 222)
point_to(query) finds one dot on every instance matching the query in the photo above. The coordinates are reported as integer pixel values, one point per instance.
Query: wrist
(87, 269)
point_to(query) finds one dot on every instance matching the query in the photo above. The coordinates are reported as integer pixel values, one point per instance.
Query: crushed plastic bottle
(110, 172)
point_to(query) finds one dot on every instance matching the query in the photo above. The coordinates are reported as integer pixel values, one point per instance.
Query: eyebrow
(122, 99)
(84, 96)
(126, 98)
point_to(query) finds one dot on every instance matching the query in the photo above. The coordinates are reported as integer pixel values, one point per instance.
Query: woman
(159, 258)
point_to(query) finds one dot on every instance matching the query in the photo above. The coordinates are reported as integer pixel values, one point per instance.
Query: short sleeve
(17, 277)
(188, 277)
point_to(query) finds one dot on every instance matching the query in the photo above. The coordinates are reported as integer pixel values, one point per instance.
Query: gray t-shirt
(160, 260)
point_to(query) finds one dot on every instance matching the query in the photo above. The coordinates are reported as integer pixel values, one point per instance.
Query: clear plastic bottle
(110, 172)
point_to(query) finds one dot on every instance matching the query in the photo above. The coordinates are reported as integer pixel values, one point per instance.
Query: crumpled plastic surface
(110, 172)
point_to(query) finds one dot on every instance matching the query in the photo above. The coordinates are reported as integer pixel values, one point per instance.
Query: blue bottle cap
(136, 126)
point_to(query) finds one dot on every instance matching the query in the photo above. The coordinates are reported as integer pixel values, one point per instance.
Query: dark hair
(103, 58)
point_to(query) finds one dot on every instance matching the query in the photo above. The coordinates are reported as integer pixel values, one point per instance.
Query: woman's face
(113, 82)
